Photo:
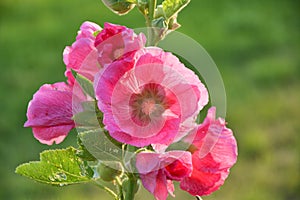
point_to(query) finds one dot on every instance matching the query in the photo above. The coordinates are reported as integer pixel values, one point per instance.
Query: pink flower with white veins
(158, 170)
(50, 113)
(146, 95)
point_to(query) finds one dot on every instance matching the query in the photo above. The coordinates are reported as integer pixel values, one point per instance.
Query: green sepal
(85, 84)
(57, 167)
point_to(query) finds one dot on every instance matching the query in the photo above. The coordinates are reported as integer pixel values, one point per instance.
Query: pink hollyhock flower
(146, 95)
(49, 113)
(115, 40)
(214, 152)
(158, 170)
(88, 54)
(82, 55)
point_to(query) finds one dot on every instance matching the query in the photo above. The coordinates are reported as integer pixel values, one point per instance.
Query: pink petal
(51, 105)
(157, 170)
(214, 154)
(114, 41)
(82, 57)
(200, 182)
(87, 30)
(50, 114)
(49, 135)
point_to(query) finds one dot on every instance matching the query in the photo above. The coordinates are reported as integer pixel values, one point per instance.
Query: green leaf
(83, 153)
(56, 167)
(120, 7)
(172, 7)
(86, 118)
(86, 85)
(99, 143)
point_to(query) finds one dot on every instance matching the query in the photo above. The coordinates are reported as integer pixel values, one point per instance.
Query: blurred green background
(255, 44)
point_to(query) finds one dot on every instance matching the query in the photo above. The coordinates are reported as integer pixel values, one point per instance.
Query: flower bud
(120, 7)
(109, 170)
(127, 184)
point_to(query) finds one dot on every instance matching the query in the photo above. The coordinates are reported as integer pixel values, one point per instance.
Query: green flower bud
(127, 184)
(120, 7)
(109, 170)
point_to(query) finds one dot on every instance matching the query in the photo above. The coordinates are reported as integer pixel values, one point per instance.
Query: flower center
(148, 104)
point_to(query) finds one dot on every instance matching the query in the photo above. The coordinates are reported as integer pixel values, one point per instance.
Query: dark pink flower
(147, 95)
(96, 48)
(49, 113)
(214, 152)
(115, 40)
(82, 55)
(157, 171)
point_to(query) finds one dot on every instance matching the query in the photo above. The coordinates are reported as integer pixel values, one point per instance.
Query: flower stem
(106, 189)
(120, 188)
(131, 186)
(152, 6)
(149, 18)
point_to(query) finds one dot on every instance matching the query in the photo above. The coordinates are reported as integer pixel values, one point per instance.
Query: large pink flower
(82, 55)
(147, 95)
(214, 153)
(158, 170)
(49, 113)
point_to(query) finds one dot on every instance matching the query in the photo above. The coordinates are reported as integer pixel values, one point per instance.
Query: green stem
(106, 189)
(152, 6)
(131, 187)
(120, 189)
(149, 18)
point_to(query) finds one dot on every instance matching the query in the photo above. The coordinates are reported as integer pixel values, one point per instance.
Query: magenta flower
(114, 41)
(158, 170)
(82, 55)
(147, 95)
(49, 113)
(214, 152)
(95, 48)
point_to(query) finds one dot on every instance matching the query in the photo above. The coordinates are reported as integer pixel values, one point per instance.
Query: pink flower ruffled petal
(50, 114)
(214, 153)
(158, 170)
(82, 55)
(115, 40)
